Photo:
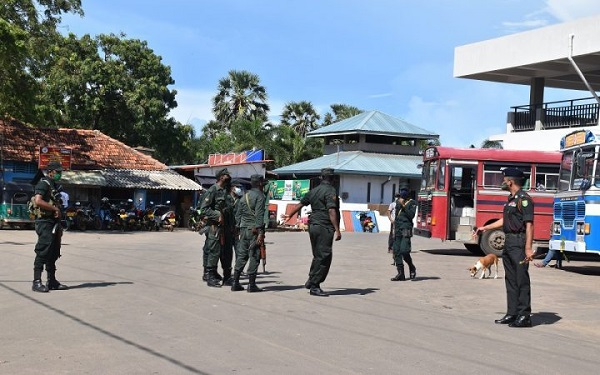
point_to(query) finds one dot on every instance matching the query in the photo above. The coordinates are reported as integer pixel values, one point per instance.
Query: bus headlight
(581, 228)
(556, 227)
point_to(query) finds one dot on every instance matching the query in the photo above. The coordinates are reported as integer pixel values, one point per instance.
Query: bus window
(429, 174)
(441, 182)
(493, 177)
(546, 178)
(566, 166)
(584, 170)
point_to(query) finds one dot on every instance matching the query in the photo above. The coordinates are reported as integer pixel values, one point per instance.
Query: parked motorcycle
(164, 217)
(195, 222)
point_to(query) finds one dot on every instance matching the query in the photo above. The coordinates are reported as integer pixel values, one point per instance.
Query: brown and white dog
(485, 264)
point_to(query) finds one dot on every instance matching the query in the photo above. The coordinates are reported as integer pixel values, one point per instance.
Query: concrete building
(563, 56)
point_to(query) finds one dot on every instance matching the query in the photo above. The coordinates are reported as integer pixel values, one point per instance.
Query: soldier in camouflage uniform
(323, 228)
(214, 207)
(250, 219)
(231, 235)
(405, 211)
(48, 229)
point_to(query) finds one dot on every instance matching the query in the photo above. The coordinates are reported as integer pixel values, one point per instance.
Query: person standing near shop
(322, 229)
(214, 207)
(47, 200)
(406, 209)
(250, 219)
(517, 224)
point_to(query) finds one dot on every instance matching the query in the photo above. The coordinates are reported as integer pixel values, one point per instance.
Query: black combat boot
(54, 284)
(37, 282)
(39, 287)
(412, 272)
(400, 276)
(236, 286)
(211, 279)
(227, 279)
(252, 288)
(205, 274)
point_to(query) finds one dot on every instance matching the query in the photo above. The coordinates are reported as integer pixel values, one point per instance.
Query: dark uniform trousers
(227, 252)
(321, 239)
(247, 252)
(402, 248)
(47, 248)
(518, 287)
(213, 246)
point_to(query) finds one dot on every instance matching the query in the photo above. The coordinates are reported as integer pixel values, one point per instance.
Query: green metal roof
(374, 122)
(358, 162)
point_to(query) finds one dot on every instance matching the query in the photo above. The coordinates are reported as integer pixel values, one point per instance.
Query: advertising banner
(59, 154)
(288, 190)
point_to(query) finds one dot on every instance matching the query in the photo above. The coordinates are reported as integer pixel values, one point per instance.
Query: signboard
(289, 190)
(59, 154)
(575, 138)
(235, 158)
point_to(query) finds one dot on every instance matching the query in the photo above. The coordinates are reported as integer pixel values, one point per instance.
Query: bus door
(462, 183)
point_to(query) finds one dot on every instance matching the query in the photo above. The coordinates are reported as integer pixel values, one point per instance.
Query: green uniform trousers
(213, 246)
(247, 250)
(47, 248)
(321, 241)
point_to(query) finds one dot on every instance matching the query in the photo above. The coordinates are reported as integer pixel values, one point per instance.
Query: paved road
(137, 306)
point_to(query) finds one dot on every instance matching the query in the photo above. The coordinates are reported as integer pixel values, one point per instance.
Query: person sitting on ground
(552, 254)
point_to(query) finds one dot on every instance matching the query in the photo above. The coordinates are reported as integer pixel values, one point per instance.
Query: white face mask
(237, 191)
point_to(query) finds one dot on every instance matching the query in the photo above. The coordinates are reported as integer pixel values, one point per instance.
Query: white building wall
(356, 188)
(539, 140)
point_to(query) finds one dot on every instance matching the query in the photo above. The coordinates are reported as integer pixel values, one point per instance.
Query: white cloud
(568, 10)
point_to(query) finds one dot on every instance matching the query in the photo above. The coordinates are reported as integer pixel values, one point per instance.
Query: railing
(554, 115)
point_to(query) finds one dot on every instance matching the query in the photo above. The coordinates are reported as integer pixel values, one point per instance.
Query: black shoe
(228, 281)
(521, 321)
(212, 282)
(398, 277)
(39, 287)
(318, 292)
(237, 287)
(506, 319)
(217, 276)
(56, 285)
(308, 284)
(413, 274)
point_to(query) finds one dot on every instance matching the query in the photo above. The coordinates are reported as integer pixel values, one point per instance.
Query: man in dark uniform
(214, 206)
(323, 228)
(250, 219)
(405, 211)
(48, 229)
(230, 235)
(517, 224)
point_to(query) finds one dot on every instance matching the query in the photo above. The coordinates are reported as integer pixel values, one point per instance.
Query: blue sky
(395, 56)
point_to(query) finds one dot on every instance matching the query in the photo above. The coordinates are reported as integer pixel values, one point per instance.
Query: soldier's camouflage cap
(513, 172)
(327, 172)
(54, 166)
(257, 178)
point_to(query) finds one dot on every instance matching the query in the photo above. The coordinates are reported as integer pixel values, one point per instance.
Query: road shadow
(99, 284)
(424, 278)
(582, 270)
(281, 288)
(350, 291)
(544, 318)
(452, 252)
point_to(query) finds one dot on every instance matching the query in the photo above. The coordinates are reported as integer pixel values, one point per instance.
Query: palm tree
(240, 96)
(340, 112)
(300, 116)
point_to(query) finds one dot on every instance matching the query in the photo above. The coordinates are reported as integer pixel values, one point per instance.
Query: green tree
(300, 116)
(340, 112)
(27, 28)
(288, 147)
(240, 96)
(491, 144)
(118, 86)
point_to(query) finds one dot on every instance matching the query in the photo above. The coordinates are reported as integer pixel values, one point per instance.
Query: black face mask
(505, 186)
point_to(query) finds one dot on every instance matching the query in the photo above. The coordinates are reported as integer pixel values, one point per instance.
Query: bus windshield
(429, 172)
(577, 170)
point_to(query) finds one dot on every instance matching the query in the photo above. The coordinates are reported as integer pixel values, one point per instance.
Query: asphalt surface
(137, 305)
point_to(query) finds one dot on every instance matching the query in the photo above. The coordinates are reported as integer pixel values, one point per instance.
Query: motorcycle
(366, 222)
(106, 215)
(195, 222)
(164, 217)
(130, 217)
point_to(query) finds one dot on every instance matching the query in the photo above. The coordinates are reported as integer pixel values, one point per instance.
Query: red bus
(460, 191)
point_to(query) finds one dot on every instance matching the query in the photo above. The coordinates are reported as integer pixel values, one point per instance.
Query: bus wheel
(474, 248)
(492, 242)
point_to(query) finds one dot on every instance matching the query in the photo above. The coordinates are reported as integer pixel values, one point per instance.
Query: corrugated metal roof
(359, 162)
(130, 179)
(374, 122)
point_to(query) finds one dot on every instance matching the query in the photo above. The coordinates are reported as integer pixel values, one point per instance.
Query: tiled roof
(374, 122)
(130, 179)
(91, 149)
(359, 162)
